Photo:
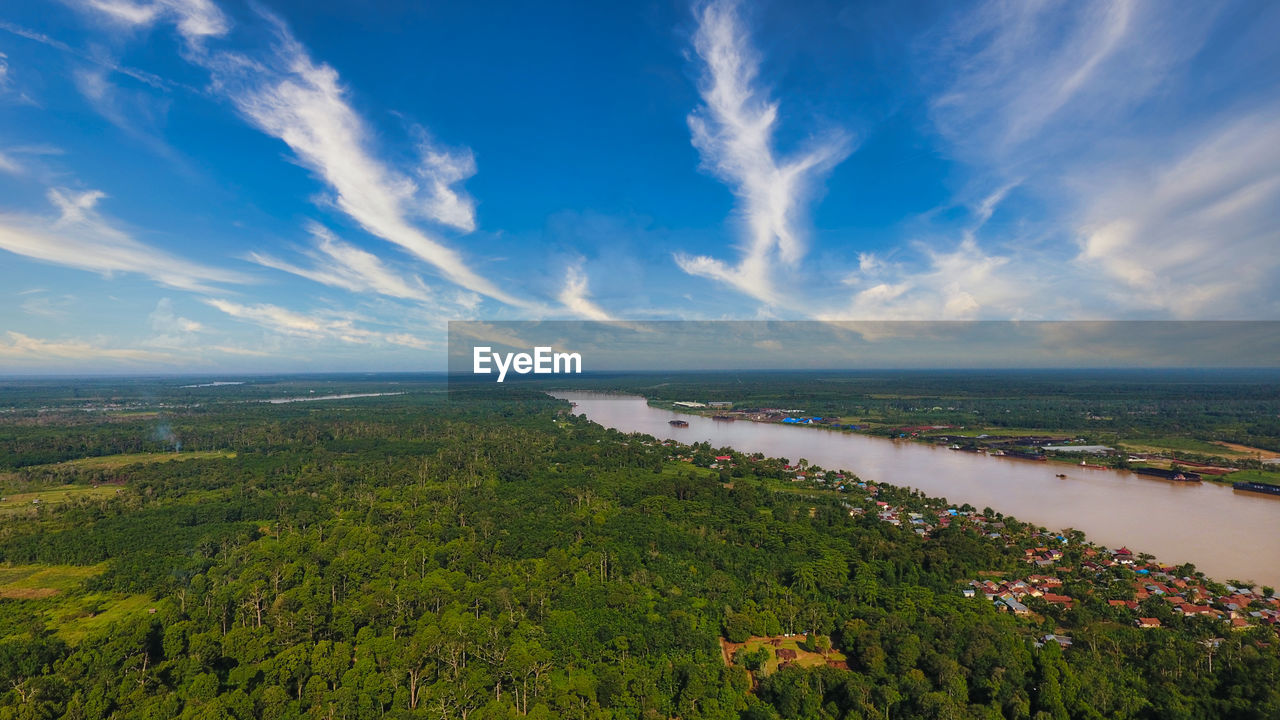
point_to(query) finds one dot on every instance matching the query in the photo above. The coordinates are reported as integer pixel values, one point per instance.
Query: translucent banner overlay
(516, 351)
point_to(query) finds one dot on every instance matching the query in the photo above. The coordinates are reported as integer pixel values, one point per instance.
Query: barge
(1181, 476)
(678, 423)
(1263, 488)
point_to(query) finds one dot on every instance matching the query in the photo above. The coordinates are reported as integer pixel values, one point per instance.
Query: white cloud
(22, 349)
(576, 297)
(338, 264)
(284, 321)
(11, 91)
(440, 171)
(1012, 75)
(1198, 235)
(1145, 201)
(173, 331)
(96, 57)
(138, 113)
(288, 95)
(734, 132)
(961, 284)
(245, 352)
(48, 306)
(301, 102)
(195, 19)
(986, 207)
(81, 238)
(25, 159)
(340, 326)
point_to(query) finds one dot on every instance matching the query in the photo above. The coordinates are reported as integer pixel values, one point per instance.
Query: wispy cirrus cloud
(1144, 201)
(80, 237)
(21, 349)
(576, 296)
(302, 103)
(40, 304)
(342, 265)
(952, 282)
(734, 132)
(1009, 72)
(17, 160)
(286, 94)
(195, 19)
(137, 113)
(173, 331)
(95, 58)
(10, 90)
(324, 325)
(961, 283)
(1196, 235)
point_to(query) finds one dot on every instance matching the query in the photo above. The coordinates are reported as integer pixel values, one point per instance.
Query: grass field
(68, 610)
(1184, 444)
(18, 502)
(804, 658)
(1260, 476)
(41, 581)
(93, 612)
(974, 431)
(1246, 450)
(111, 462)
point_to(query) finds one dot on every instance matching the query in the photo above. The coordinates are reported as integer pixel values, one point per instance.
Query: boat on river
(678, 423)
(1264, 488)
(1176, 476)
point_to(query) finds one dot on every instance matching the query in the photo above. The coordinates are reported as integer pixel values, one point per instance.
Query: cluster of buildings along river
(1226, 533)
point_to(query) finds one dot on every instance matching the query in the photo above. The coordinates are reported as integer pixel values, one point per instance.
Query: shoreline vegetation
(410, 556)
(1234, 469)
(1139, 442)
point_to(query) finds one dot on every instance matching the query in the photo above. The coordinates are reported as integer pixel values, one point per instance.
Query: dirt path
(1256, 452)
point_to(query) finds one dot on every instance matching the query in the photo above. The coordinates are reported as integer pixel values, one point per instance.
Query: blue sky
(218, 186)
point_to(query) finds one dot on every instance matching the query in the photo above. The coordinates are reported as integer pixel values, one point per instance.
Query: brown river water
(1229, 534)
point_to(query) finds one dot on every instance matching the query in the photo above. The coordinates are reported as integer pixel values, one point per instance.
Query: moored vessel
(1263, 488)
(1176, 476)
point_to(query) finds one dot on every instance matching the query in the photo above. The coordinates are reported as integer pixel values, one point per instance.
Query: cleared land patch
(93, 612)
(111, 462)
(1246, 450)
(1183, 444)
(26, 582)
(783, 650)
(18, 502)
(1258, 476)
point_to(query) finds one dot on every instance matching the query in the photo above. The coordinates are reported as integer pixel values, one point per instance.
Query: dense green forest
(489, 554)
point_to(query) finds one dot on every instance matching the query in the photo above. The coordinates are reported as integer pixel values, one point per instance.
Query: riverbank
(1135, 456)
(1227, 533)
(1053, 570)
